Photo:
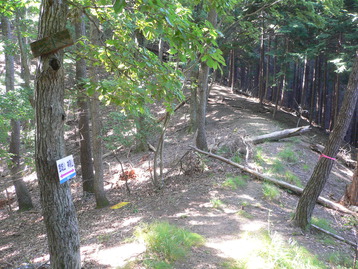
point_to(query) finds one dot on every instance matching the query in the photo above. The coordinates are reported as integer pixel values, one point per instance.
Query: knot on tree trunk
(55, 63)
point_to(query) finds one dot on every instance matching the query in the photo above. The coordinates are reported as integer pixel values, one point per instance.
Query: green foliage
(262, 249)
(236, 158)
(235, 182)
(322, 223)
(292, 178)
(259, 158)
(287, 154)
(166, 243)
(127, 130)
(340, 260)
(277, 167)
(216, 203)
(270, 192)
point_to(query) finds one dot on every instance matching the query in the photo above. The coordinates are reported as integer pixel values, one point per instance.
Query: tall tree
(83, 113)
(57, 206)
(22, 193)
(201, 142)
(321, 172)
(100, 195)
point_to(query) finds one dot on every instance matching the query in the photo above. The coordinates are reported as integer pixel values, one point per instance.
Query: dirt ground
(187, 200)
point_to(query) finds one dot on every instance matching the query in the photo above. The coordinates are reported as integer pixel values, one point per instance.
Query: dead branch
(321, 200)
(340, 238)
(279, 135)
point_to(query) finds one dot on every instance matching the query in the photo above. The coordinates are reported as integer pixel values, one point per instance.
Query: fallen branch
(321, 200)
(279, 135)
(340, 238)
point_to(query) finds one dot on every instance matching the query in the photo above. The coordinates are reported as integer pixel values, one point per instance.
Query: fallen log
(344, 159)
(340, 238)
(297, 190)
(279, 135)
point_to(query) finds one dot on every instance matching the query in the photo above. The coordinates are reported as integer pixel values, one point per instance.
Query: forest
(179, 134)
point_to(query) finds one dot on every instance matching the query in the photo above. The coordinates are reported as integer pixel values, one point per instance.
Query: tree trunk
(351, 194)
(57, 206)
(83, 114)
(100, 195)
(201, 142)
(262, 59)
(321, 172)
(22, 193)
(267, 80)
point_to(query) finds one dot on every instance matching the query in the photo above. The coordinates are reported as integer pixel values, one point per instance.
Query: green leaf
(119, 5)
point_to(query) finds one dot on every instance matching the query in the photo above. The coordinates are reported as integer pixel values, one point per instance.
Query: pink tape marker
(325, 156)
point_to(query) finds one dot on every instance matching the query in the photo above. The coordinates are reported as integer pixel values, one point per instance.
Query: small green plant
(340, 260)
(323, 223)
(259, 158)
(166, 243)
(232, 264)
(103, 238)
(270, 192)
(306, 168)
(216, 203)
(235, 182)
(292, 178)
(262, 249)
(288, 155)
(244, 214)
(236, 158)
(277, 167)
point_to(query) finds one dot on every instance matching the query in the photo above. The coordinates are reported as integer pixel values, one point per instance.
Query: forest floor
(199, 201)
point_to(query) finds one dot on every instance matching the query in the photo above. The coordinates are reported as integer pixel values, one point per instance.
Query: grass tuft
(216, 203)
(166, 243)
(293, 179)
(235, 182)
(288, 155)
(270, 192)
(323, 223)
(262, 249)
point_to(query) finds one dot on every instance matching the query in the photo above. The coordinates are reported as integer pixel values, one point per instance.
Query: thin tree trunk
(58, 209)
(83, 115)
(201, 142)
(324, 96)
(323, 168)
(262, 59)
(304, 82)
(267, 84)
(232, 70)
(313, 92)
(100, 195)
(22, 193)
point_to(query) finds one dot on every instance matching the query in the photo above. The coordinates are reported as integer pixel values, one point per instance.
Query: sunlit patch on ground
(120, 255)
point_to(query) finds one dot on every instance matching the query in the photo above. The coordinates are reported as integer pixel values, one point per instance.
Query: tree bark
(100, 195)
(201, 142)
(22, 193)
(350, 196)
(321, 172)
(262, 59)
(57, 205)
(83, 114)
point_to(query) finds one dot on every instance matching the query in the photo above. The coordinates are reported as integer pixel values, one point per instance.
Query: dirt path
(188, 200)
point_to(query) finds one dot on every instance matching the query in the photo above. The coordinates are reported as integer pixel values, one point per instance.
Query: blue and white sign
(66, 168)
